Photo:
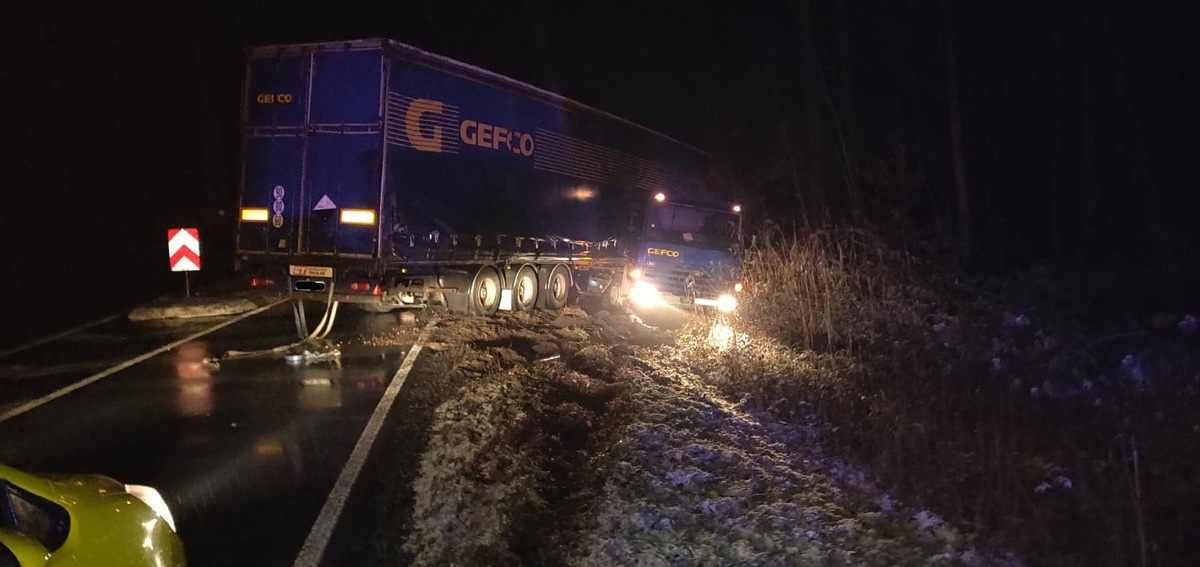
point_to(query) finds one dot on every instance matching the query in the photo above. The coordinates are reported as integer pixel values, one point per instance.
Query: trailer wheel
(377, 307)
(525, 289)
(614, 297)
(557, 288)
(484, 297)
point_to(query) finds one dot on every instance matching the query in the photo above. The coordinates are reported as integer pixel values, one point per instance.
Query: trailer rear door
(273, 153)
(344, 165)
(311, 179)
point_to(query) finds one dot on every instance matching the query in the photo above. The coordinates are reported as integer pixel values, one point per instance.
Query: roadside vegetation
(587, 440)
(859, 410)
(991, 403)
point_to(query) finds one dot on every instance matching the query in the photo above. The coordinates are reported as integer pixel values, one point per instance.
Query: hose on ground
(320, 332)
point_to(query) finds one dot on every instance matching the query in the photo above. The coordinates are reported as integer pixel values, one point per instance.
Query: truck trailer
(379, 174)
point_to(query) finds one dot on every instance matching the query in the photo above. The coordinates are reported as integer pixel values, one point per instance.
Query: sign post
(183, 249)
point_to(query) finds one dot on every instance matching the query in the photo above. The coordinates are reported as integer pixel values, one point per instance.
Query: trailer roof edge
(422, 55)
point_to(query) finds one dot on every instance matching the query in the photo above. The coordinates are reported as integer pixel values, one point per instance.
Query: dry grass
(620, 455)
(1075, 449)
(825, 291)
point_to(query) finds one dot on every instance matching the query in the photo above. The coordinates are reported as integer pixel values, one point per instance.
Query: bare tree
(1056, 144)
(1089, 207)
(793, 162)
(1147, 194)
(847, 125)
(810, 67)
(962, 196)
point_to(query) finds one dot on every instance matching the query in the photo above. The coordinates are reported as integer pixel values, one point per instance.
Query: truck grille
(674, 280)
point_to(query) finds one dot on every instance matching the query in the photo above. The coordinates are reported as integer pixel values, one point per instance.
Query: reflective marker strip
(34, 404)
(254, 215)
(318, 538)
(358, 216)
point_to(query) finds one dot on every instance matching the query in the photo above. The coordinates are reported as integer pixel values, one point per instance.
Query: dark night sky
(126, 118)
(121, 118)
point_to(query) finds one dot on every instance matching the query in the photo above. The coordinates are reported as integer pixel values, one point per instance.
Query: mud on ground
(577, 439)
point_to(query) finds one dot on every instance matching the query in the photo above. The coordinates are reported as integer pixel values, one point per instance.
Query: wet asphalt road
(245, 454)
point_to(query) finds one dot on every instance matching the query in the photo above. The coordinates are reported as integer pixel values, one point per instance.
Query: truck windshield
(693, 226)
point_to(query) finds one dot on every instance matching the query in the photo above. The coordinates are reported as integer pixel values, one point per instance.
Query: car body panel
(106, 525)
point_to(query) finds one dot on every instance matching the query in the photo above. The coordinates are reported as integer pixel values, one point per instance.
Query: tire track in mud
(541, 392)
(511, 459)
(592, 441)
(375, 519)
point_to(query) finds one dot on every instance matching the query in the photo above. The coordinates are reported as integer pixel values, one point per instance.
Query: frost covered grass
(1075, 446)
(612, 454)
(697, 480)
(899, 423)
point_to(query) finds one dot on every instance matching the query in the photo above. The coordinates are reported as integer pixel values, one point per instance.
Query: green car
(83, 521)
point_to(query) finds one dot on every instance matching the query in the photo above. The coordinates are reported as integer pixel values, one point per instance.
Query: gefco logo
(662, 252)
(273, 98)
(471, 132)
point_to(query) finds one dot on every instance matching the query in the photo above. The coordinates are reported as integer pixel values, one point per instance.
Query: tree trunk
(1147, 195)
(1088, 202)
(1056, 144)
(810, 67)
(848, 128)
(962, 196)
(793, 163)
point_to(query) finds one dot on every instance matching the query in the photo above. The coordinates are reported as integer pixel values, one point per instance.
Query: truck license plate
(310, 271)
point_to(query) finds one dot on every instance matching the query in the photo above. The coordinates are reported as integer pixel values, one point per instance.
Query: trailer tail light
(363, 287)
(262, 282)
(254, 215)
(358, 216)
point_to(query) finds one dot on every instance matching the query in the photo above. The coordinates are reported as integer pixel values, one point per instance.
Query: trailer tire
(556, 289)
(484, 296)
(525, 289)
(614, 297)
(377, 307)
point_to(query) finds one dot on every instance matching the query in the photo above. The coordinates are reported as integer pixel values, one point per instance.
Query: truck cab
(687, 255)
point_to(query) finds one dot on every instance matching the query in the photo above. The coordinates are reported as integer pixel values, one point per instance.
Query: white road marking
(34, 404)
(318, 538)
(56, 336)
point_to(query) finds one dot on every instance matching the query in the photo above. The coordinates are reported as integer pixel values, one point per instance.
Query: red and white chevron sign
(183, 246)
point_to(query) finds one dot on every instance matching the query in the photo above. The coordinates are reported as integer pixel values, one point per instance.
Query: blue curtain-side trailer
(384, 175)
